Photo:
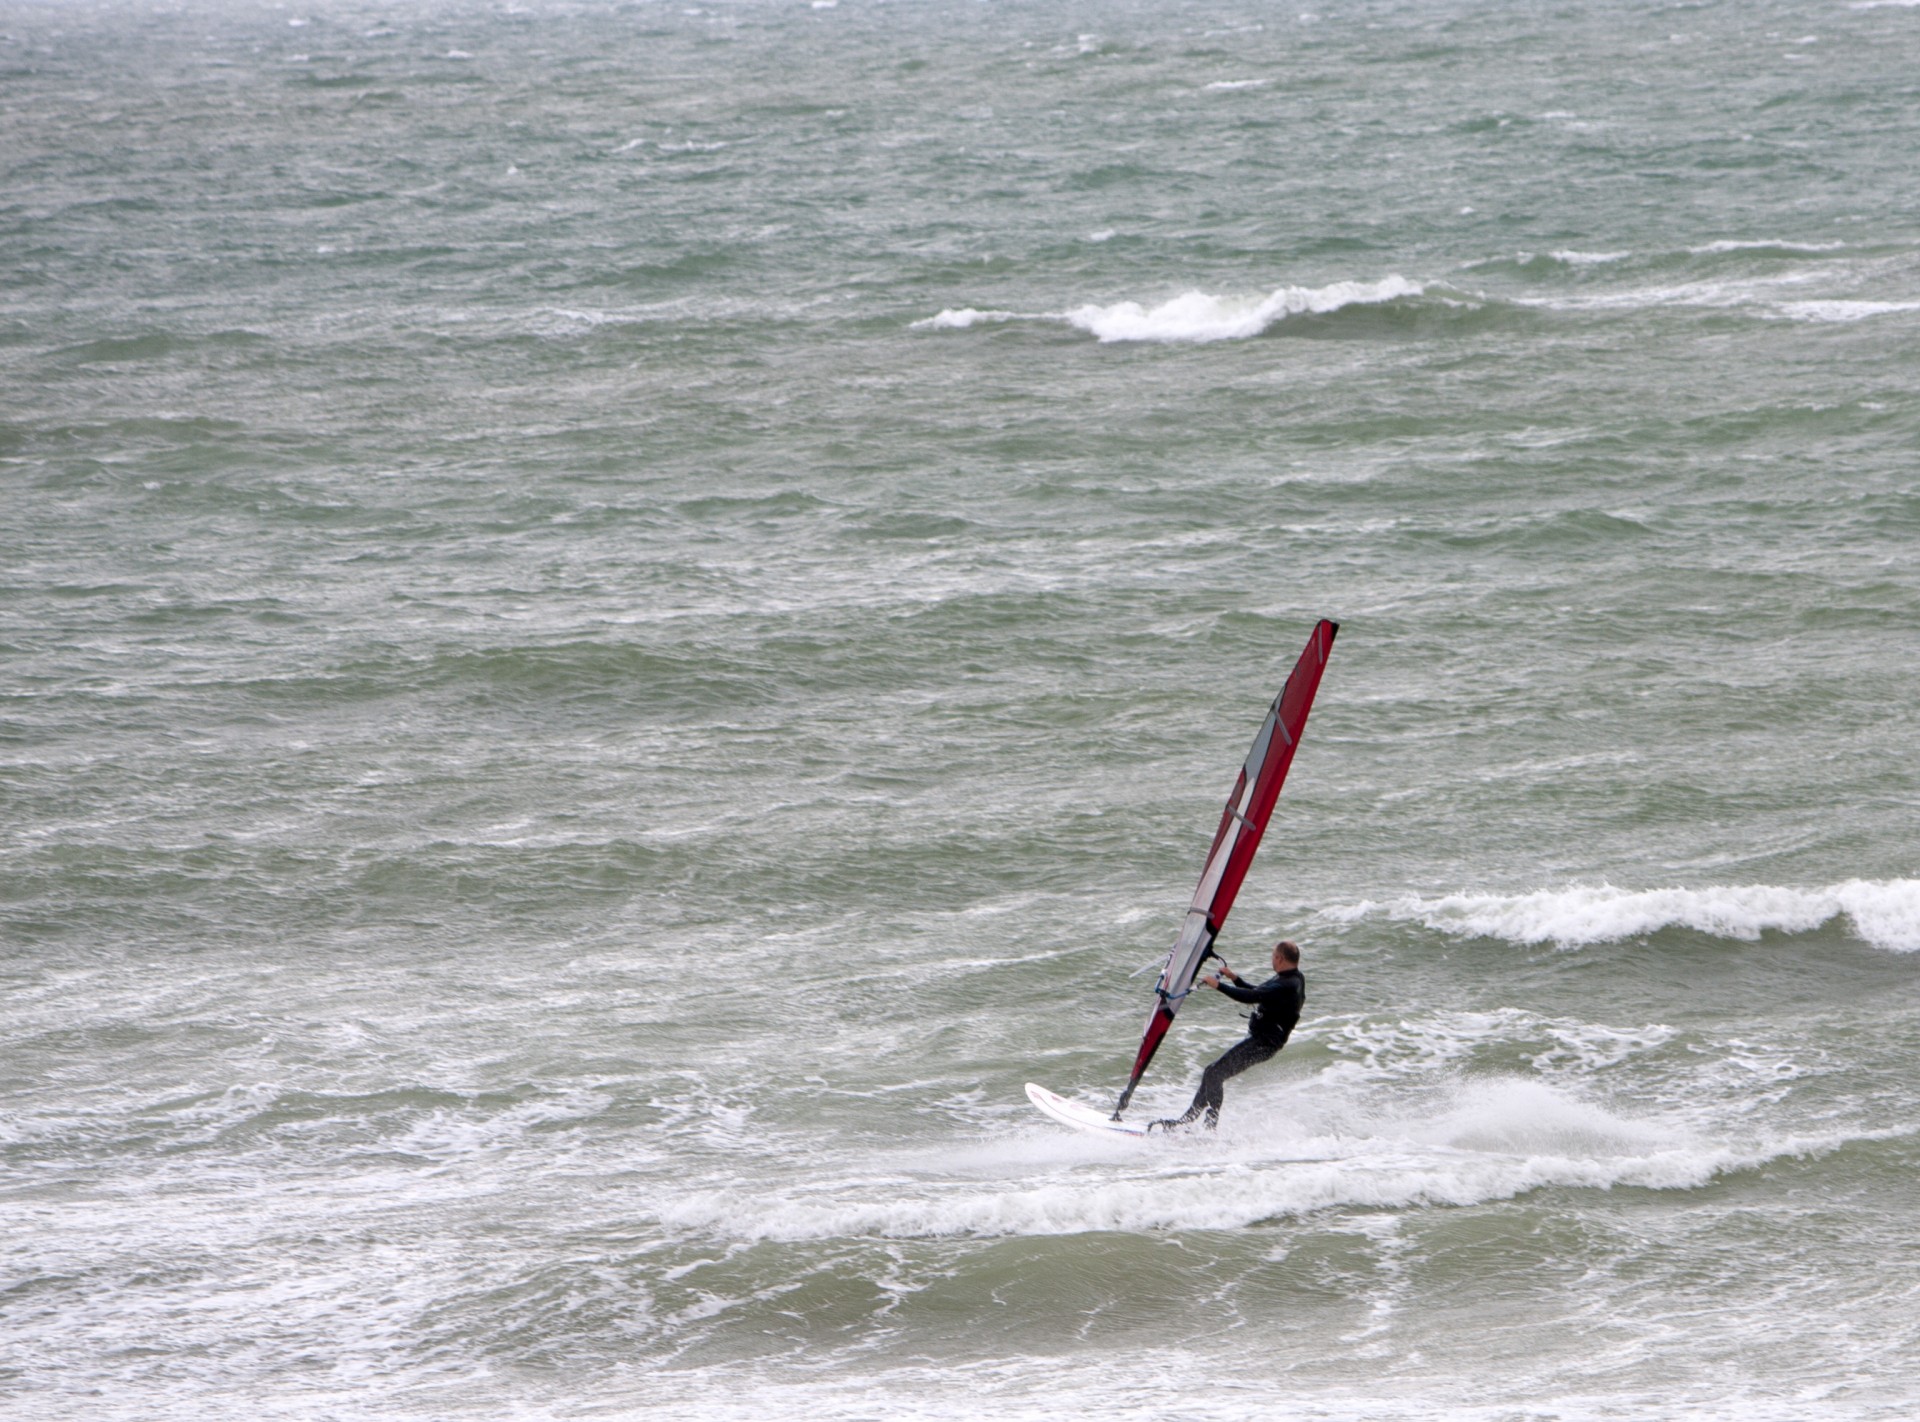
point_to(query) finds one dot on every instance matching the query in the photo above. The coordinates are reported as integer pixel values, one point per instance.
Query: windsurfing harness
(1241, 826)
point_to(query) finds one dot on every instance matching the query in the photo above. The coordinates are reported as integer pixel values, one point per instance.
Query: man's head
(1286, 954)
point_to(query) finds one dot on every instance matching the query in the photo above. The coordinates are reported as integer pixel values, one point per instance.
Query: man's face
(1280, 963)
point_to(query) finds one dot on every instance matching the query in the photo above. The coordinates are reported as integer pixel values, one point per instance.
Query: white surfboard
(1081, 1118)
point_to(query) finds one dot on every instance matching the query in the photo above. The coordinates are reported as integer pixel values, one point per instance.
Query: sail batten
(1242, 826)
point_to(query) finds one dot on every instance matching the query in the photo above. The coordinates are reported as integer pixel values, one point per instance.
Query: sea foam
(1479, 1141)
(1884, 913)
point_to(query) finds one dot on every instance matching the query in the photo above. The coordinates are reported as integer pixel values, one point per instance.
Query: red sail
(1241, 826)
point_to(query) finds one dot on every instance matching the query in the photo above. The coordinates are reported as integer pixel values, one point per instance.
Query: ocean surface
(616, 620)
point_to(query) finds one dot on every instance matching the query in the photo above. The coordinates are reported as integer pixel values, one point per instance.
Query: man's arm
(1239, 990)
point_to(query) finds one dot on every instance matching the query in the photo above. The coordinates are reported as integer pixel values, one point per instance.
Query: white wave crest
(1193, 317)
(1196, 316)
(1885, 914)
(1588, 259)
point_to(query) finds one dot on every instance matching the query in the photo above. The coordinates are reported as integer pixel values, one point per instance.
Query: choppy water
(616, 620)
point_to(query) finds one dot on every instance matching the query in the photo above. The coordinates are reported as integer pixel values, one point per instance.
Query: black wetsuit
(1276, 1008)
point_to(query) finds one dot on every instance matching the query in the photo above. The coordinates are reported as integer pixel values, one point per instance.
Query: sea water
(616, 620)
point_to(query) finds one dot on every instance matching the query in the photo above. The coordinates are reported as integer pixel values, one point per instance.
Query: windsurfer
(1276, 1008)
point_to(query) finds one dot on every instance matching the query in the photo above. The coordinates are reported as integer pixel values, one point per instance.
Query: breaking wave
(1885, 913)
(1193, 317)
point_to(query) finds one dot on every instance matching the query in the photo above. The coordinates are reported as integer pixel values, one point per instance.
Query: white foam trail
(1756, 296)
(1716, 295)
(1718, 248)
(1377, 1050)
(1487, 1139)
(1194, 317)
(1885, 913)
(1843, 310)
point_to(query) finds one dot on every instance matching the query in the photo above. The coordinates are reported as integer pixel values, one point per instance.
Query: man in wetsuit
(1276, 1007)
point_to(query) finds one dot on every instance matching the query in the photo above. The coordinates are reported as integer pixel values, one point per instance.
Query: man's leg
(1213, 1081)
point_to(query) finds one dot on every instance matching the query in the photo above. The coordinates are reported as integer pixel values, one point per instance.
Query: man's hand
(1211, 980)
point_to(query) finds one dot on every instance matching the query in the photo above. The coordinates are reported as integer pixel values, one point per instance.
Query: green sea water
(616, 620)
